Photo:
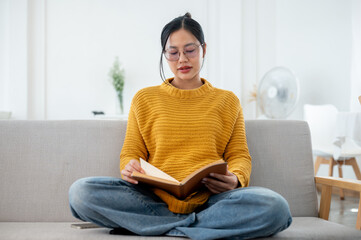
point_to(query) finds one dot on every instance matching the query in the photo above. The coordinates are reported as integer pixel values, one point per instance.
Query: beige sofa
(39, 160)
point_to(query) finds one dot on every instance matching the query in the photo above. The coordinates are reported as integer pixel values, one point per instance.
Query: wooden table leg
(358, 221)
(339, 165)
(325, 203)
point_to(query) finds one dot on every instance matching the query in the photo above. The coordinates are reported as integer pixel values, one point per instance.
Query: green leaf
(116, 75)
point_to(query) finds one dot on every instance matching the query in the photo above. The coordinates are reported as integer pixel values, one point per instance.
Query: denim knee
(273, 210)
(78, 194)
(277, 212)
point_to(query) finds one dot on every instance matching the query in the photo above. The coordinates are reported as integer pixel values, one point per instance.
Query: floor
(343, 211)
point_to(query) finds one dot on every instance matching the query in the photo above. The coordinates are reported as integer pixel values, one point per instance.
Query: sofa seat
(59, 231)
(301, 228)
(316, 228)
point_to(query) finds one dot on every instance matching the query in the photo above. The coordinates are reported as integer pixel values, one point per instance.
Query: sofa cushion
(41, 159)
(282, 161)
(59, 231)
(302, 228)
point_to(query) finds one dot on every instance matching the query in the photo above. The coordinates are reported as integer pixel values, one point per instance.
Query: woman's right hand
(133, 165)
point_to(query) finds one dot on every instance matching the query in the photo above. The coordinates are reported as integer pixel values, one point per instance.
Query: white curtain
(356, 56)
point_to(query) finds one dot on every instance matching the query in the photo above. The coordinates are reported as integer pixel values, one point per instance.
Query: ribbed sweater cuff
(241, 179)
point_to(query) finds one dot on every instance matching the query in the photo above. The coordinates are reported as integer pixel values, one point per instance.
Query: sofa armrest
(327, 184)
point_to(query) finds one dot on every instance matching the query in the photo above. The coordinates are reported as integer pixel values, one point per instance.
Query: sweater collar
(186, 93)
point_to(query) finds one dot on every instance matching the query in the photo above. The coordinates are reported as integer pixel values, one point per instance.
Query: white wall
(314, 40)
(356, 56)
(258, 48)
(13, 60)
(4, 47)
(58, 53)
(71, 45)
(83, 38)
(36, 48)
(245, 39)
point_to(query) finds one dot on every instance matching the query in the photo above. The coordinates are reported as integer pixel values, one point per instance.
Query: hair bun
(188, 15)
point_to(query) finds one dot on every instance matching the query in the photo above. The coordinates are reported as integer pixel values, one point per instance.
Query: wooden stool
(332, 162)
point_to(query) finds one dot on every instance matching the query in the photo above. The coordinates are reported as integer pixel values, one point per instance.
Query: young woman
(180, 126)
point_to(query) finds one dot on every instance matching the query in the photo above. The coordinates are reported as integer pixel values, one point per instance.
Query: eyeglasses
(190, 51)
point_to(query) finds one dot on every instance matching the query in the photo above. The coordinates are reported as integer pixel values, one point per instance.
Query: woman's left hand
(218, 183)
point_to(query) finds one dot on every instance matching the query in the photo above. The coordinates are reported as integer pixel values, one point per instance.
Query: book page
(155, 172)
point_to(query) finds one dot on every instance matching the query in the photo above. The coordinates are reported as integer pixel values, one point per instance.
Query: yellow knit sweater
(179, 131)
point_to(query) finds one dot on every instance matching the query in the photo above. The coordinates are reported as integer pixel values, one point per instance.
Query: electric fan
(278, 92)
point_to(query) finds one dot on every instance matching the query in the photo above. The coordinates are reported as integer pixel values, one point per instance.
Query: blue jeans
(241, 213)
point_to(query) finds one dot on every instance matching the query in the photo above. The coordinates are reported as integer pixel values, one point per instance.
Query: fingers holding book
(218, 183)
(132, 166)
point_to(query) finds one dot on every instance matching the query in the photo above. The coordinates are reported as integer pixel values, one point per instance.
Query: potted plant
(117, 79)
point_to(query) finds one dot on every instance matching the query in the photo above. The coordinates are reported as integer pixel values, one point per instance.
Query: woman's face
(188, 65)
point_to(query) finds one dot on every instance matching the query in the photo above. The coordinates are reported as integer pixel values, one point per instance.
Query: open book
(159, 179)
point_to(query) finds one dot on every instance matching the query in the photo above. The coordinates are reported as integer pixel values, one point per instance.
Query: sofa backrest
(282, 161)
(39, 160)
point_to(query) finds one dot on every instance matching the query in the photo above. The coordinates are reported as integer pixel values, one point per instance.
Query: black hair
(185, 22)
